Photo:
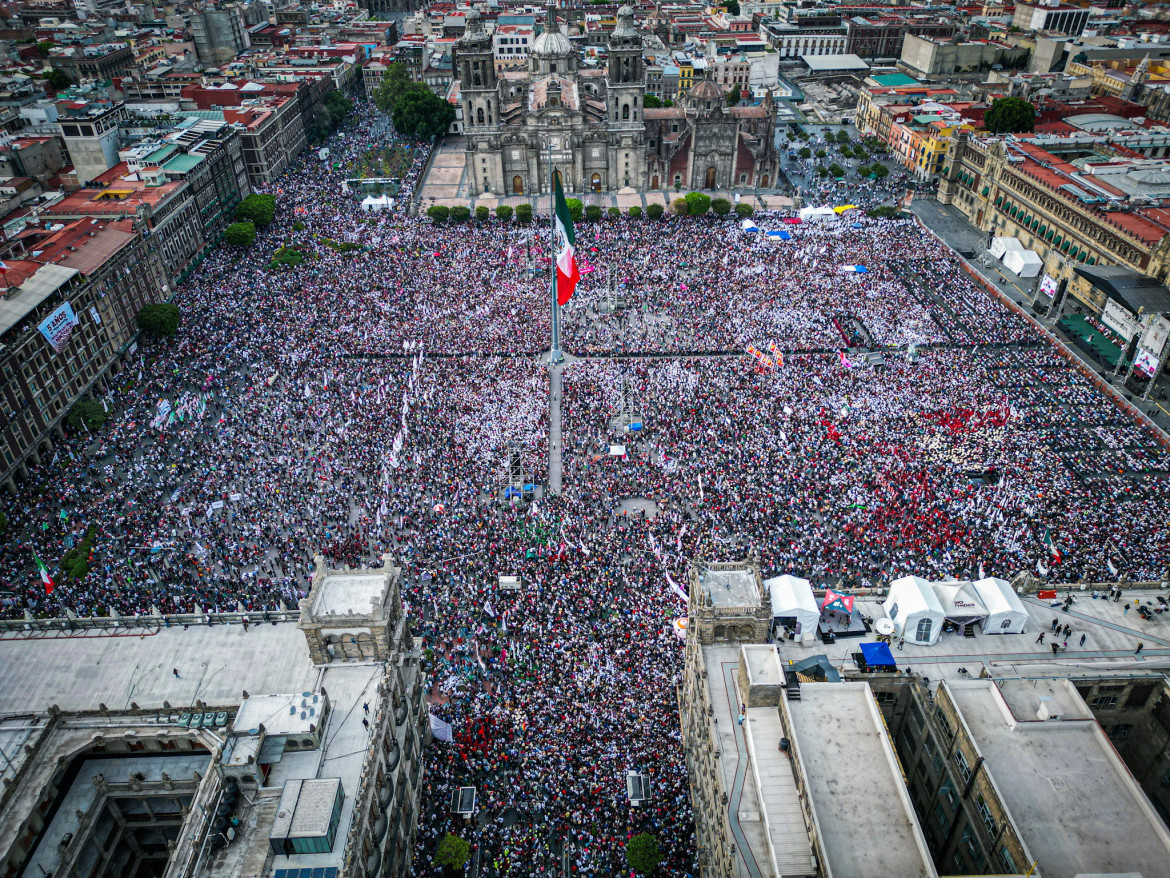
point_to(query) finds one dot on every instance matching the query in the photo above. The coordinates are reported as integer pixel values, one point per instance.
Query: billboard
(1145, 363)
(58, 326)
(1048, 286)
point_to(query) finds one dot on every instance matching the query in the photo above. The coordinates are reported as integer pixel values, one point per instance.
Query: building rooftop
(730, 588)
(18, 304)
(1076, 806)
(855, 784)
(350, 594)
(831, 63)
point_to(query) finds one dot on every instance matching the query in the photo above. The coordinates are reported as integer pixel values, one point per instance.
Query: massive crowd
(368, 402)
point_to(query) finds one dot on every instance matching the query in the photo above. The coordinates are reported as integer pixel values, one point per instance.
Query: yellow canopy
(845, 207)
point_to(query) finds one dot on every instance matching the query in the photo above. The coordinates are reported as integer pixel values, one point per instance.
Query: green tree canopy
(884, 211)
(504, 212)
(482, 213)
(734, 96)
(453, 852)
(421, 114)
(257, 209)
(240, 235)
(643, 854)
(680, 207)
(1010, 116)
(836, 170)
(614, 212)
(655, 210)
(635, 212)
(879, 170)
(524, 213)
(805, 152)
(593, 213)
(576, 209)
(394, 83)
(158, 319)
(842, 136)
(721, 206)
(439, 212)
(58, 80)
(460, 213)
(732, 6)
(697, 203)
(86, 413)
(744, 210)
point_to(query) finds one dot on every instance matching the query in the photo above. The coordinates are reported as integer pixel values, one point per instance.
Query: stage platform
(854, 626)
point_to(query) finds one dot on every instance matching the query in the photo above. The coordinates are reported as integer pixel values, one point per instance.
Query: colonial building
(591, 125)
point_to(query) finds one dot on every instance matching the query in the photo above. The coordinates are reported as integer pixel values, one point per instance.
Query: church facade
(590, 124)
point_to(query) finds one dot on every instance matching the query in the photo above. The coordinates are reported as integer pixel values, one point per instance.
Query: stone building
(354, 615)
(590, 123)
(728, 602)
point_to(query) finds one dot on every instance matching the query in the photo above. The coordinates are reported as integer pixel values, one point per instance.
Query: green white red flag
(45, 577)
(567, 272)
(1051, 544)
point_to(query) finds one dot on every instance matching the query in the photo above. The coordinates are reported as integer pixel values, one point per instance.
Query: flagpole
(555, 346)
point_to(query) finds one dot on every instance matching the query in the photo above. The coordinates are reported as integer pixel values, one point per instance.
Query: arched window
(625, 112)
(479, 116)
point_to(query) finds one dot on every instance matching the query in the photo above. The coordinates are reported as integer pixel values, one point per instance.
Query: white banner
(441, 730)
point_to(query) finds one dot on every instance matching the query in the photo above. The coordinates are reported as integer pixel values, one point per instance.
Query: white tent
(960, 602)
(1004, 244)
(1025, 263)
(376, 202)
(915, 611)
(1005, 612)
(792, 598)
(816, 214)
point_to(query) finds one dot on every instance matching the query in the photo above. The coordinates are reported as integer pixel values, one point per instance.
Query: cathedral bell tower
(477, 74)
(625, 75)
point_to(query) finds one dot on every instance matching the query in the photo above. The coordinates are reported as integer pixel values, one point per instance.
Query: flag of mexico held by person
(46, 579)
(567, 272)
(1052, 547)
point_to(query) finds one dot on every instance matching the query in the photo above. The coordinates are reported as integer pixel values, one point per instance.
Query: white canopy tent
(1025, 263)
(960, 602)
(377, 202)
(915, 611)
(792, 598)
(1005, 611)
(816, 214)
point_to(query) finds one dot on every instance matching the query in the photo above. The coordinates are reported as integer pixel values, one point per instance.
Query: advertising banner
(58, 326)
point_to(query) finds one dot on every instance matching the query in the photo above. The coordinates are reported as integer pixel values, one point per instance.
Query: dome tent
(915, 610)
(1005, 611)
(792, 599)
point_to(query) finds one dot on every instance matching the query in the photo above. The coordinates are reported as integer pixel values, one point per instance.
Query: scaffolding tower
(514, 479)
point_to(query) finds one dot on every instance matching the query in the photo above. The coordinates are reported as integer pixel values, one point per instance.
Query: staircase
(793, 688)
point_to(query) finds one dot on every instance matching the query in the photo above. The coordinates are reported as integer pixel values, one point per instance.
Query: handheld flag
(567, 273)
(1051, 544)
(776, 353)
(45, 577)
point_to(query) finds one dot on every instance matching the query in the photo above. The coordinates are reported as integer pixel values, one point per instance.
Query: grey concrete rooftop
(1077, 807)
(859, 800)
(730, 588)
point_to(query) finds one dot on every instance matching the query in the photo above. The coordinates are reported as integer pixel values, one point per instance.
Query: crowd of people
(371, 401)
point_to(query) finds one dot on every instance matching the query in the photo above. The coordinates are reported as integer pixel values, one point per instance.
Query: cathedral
(590, 123)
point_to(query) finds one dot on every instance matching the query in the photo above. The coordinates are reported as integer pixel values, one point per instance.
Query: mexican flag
(45, 577)
(567, 273)
(1051, 544)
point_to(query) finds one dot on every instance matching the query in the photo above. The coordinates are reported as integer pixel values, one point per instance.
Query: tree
(734, 97)
(879, 170)
(86, 414)
(743, 210)
(43, 48)
(593, 213)
(805, 152)
(504, 212)
(864, 170)
(257, 209)
(58, 80)
(1010, 116)
(240, 235)
(697, 203)
(836, 170)
(651, 102)
(452, 853)
(394, 83)
(846, 151)
(461, 213)
(524, 213)
(614, 212)
(732, 6)
(884, 211)
(680, 207)
(642, 853)
(576, 209)
(822, 171)
(820, 153)
(483, 214)
(655, 210)
(158, 319)
(75, 562)
(635, 212)
(842, 136)
(721, 206)
(440, 213)
(422, 114)
(285, 258)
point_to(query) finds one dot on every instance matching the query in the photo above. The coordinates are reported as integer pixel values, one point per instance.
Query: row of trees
(415, 110)
(693, 204)
(254, 212)
(642, 854)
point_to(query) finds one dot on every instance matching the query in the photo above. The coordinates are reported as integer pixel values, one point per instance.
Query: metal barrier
(79, 624)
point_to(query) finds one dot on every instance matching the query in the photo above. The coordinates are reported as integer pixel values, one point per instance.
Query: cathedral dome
(551, 43)
(706, 90)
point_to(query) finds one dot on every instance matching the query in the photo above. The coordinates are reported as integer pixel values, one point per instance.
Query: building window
(1105, 702)
(964, 768)
(1005, 860)
(985, 815)
(1120, 731)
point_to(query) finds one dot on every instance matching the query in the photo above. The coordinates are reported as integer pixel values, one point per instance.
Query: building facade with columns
(591, 125)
